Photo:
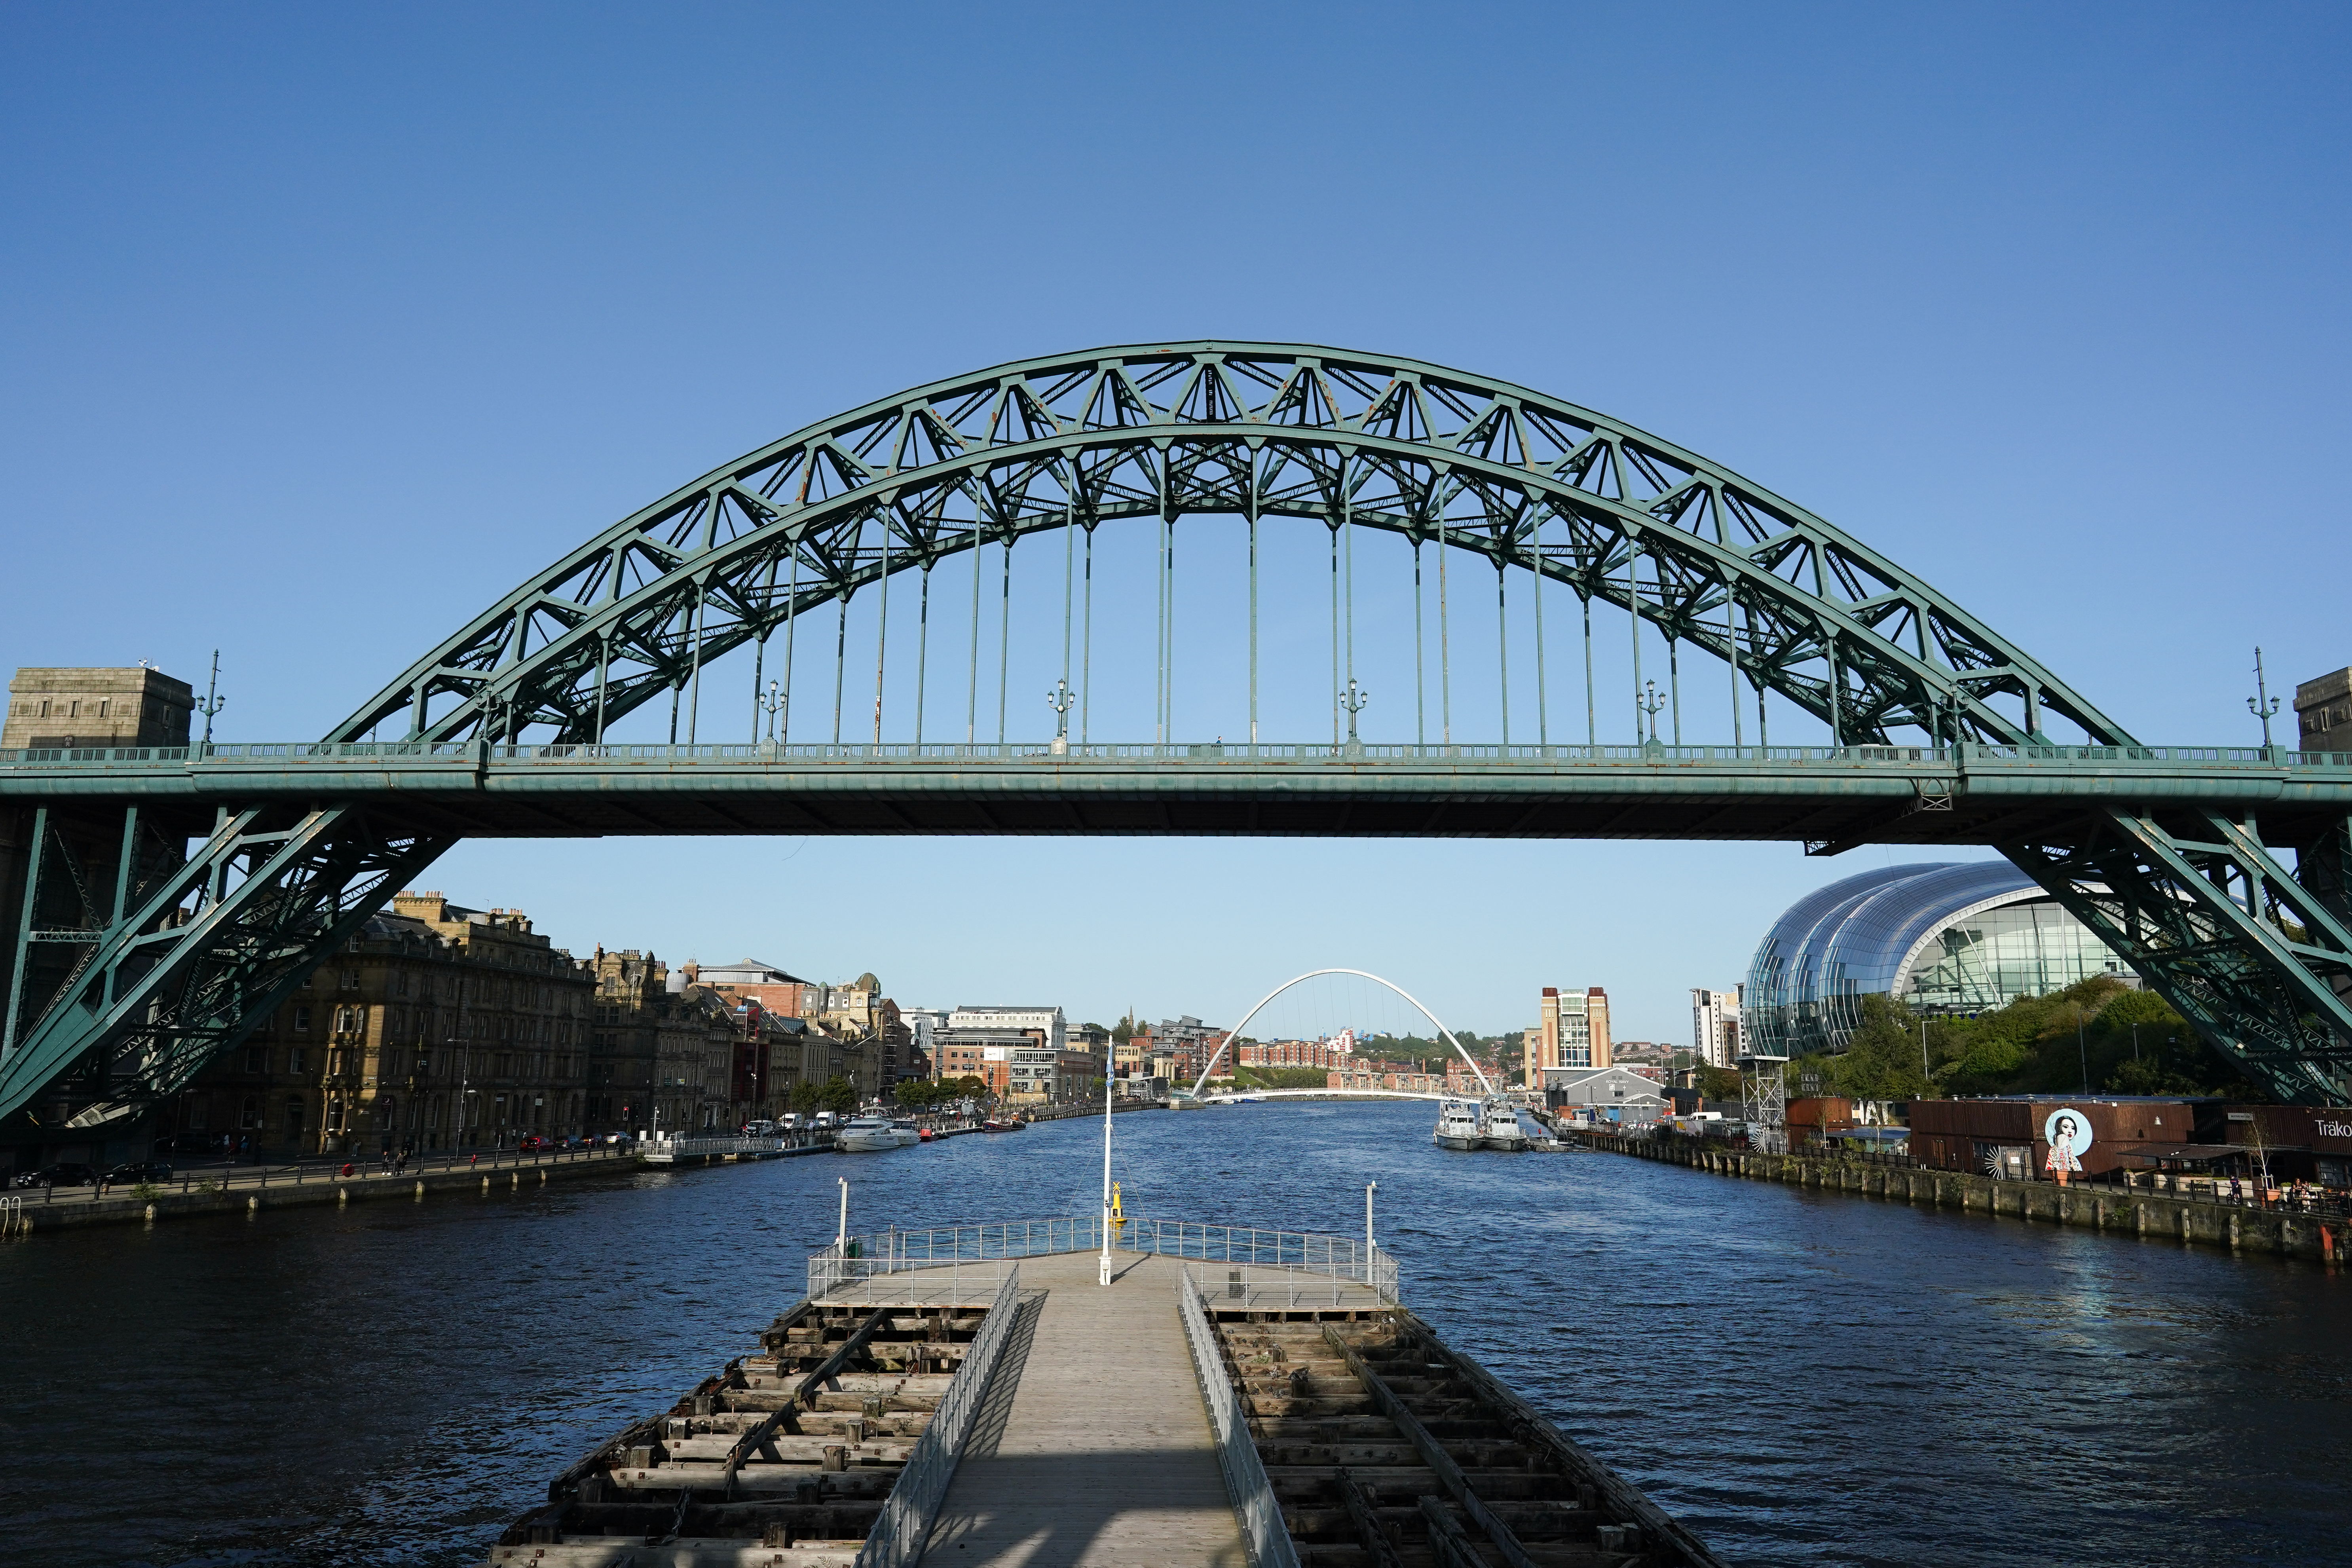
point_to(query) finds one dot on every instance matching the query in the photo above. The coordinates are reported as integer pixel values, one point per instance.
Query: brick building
(1289, 1054)
(756, 980)
(632, 991)
(695, 1047)
(429, 1008)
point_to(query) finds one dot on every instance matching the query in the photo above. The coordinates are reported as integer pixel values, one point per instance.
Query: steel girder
(1263, 430)
(195, 952)
(2261, 964)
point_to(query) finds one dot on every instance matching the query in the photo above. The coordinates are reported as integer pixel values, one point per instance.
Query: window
(351, 979)
(248, 1116)
(301, 1022)
(294, 1119)
(257, 1059)
(294, 1060)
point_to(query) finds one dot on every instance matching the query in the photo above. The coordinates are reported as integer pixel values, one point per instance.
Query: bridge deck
(1093, 1445)
(1530, 792)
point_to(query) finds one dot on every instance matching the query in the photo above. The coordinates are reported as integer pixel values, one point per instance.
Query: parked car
(62, 1175)
(138, 1171)
(533, 1144)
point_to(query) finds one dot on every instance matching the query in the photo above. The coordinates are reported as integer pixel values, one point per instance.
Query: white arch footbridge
(1235, 1033)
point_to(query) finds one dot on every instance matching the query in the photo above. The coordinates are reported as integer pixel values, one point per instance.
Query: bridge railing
(456, 754)
(905, 1523)
(861, 1259)
(1259, 1511)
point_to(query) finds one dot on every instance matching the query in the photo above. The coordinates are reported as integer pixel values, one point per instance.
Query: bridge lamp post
(1353, 697)
(2261, 705)
(1060, 700)
(213, 702)
(1651, 705)
(463, 1046)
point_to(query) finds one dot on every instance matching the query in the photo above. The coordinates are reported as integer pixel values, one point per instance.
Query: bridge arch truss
(142, 949)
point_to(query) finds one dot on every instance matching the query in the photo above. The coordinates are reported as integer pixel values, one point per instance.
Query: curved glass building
(1945, 938)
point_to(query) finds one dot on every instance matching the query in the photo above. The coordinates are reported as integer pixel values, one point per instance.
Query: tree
(1880, 1062)
(804, 1098)
(837, 1097)
(1718, 1083)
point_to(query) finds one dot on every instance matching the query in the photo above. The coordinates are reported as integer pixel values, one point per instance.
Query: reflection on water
(1805, 1377)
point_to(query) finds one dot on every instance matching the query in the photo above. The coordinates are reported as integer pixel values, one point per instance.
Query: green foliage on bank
(833, 1095)
(923, 1091)
(2129, 1042)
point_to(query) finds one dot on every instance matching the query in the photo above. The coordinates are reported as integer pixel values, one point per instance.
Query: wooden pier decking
(1092, 1447)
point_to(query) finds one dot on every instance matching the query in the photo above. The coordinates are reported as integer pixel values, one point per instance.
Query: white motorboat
(1499, 1128)
(1458, 1125)
(907, 1132)
(866, 1135)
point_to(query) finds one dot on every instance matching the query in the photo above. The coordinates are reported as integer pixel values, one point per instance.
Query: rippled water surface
(1806, 1378)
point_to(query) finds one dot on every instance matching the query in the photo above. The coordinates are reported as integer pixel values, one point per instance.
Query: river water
(1803, 1377)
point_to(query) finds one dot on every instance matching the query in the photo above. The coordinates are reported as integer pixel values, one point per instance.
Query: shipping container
(2007, 1136)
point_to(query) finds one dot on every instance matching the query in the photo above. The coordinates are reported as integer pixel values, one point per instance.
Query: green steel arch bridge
(157, 904)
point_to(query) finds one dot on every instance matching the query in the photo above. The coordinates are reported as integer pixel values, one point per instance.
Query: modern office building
(1944, 937)
(1571, 1035)
(1049, 1020)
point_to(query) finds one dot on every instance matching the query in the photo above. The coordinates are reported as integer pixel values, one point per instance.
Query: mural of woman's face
(2066, 1127)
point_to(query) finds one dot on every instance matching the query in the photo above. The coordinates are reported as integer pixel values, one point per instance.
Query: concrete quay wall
(34, 1217)
(2105, 1209)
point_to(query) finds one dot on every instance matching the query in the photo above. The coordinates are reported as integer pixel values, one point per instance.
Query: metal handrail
(659, 1151)
(468, 754)
(1264, 1534)
(861, 1258)
(905, 1523)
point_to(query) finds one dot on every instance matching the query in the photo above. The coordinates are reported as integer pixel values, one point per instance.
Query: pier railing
(898, 1536)
(859, 1258)
(667, 1150)
(1260, 1512)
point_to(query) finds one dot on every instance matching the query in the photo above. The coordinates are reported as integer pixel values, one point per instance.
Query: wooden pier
(1094, 1447)
(1003, 1411)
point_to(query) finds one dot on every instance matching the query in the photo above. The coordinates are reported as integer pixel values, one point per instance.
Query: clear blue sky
(328, 324)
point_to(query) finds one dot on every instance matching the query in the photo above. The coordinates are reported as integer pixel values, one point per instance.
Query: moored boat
(866, 1135)
(1458, 1126)
(1499, 1128)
